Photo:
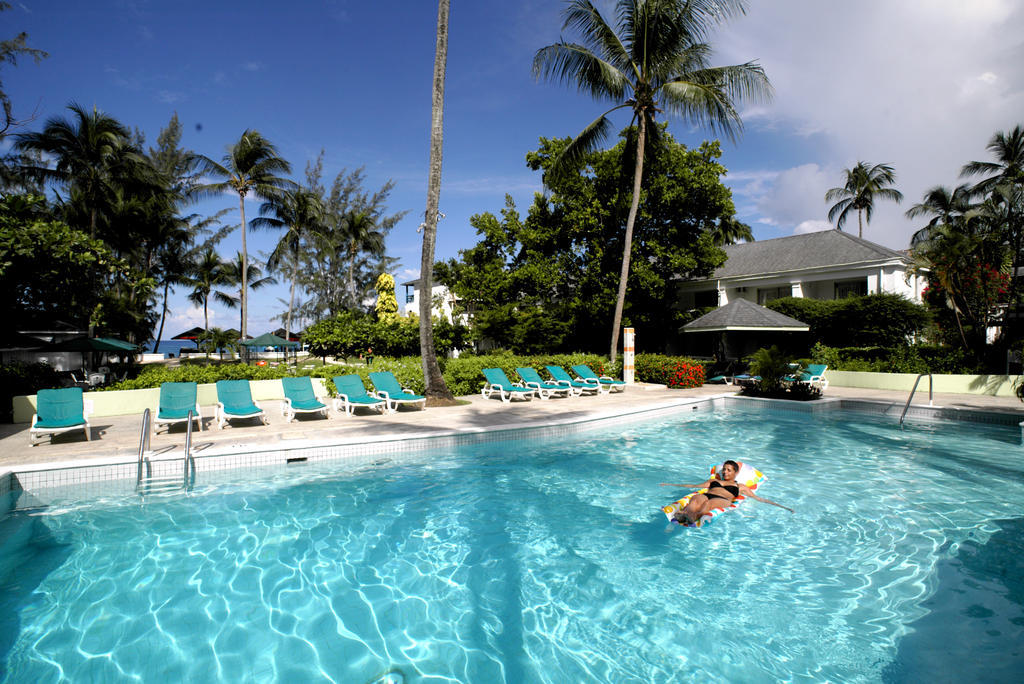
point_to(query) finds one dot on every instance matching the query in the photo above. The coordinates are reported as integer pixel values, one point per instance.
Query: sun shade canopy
(740, 314)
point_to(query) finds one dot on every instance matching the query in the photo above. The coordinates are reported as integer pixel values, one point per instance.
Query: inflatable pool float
(747, 476)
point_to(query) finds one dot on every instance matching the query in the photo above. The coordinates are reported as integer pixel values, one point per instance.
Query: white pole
(628, 347)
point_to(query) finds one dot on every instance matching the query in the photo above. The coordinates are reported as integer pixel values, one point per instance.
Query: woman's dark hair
(734, 464)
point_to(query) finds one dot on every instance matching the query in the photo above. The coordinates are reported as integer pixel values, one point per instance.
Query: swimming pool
(528, 562)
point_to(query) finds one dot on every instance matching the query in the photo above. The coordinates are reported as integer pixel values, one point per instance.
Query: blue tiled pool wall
(29, 488)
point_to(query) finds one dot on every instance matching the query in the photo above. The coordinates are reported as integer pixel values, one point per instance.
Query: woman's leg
(692, 510)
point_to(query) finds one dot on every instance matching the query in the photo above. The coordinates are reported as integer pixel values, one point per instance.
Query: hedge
(674, 371)
(463, 375)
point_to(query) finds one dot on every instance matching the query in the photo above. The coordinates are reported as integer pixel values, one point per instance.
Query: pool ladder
(145, 481)
(907, 405)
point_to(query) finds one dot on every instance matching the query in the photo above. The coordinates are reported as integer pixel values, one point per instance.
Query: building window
(767, 294)
(851, 288)
(705, 299)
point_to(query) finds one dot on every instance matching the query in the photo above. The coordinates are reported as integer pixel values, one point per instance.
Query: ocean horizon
(169, 347)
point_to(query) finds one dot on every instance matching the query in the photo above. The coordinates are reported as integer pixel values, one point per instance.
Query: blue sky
(919, 84)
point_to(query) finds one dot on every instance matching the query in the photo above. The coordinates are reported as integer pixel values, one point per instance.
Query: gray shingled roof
(739, 314)
(799, 252)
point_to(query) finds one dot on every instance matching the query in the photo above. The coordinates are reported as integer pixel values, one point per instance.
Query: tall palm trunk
(436, 390)
(206, 320)
(291, 299)
(353, 253)
(163, 317)
(620, 300)
(860, 224)
(245, 265)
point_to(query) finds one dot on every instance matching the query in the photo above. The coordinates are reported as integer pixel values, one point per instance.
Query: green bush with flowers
(674, 371)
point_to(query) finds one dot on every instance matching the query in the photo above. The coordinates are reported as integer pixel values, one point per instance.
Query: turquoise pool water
(528, 562)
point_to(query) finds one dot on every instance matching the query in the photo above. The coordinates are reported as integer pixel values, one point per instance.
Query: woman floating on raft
(722, 490)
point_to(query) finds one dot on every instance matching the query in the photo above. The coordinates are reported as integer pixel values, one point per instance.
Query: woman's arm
(745, 491)
(687, 486)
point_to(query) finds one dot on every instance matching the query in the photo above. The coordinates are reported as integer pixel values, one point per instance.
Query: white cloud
(812, 227)
(919, 84)
(169, 97)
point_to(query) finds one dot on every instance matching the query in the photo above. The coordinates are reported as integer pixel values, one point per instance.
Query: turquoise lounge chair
(60, 410)
(386, 387)
(176, 400)
(234, 400)
(561, 377)
(498, 382)
(300, 398)
(352, 394)
(605, 382)
(814, 375)
(531, 378)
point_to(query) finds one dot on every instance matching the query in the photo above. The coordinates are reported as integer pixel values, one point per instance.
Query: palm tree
(216, 339)
(1005, 183)
(731, 230)
(945, 209)
(232, 271)
(251, 165)
(655, 59)
(87, 152)
(863, 184)
(301, 212)
(206, 273)
(437, 391)
(360, 235)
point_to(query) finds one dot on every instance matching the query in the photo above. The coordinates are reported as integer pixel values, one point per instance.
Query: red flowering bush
(673, 371)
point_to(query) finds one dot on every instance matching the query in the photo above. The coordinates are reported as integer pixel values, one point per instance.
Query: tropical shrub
(673, 371)
(885, 320)
(772, 365)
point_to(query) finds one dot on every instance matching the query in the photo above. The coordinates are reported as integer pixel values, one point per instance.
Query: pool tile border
(28, 485)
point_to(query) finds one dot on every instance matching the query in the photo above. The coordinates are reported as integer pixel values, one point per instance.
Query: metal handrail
(907, 405)
(143, 445)
(188, 448)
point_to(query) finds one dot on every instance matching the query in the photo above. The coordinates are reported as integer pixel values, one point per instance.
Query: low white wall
(131, 402)
(992, 385)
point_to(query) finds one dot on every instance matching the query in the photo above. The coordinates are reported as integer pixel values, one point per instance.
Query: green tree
(10, 50)
(252, 165)
(326, 258)
(543, 281)
(387, 305)
(91, 153)
(361, 235)
(233, 274)
(300, 212)
(206, 272)
(173, 247)
(436, 391)
(864, 183)
(48, 270)
(655, 59)
(216, 339)
(1003, 186)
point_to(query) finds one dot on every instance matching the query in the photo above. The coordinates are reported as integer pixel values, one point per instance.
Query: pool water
(531, 562)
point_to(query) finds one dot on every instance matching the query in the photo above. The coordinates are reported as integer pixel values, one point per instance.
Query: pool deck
(117, 437)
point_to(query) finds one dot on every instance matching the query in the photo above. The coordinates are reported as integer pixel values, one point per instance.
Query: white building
(443, 300)
(829, 264)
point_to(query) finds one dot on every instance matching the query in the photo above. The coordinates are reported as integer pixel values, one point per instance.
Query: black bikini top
(732, 489)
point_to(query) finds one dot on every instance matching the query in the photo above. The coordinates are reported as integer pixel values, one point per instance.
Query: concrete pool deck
(117, 437)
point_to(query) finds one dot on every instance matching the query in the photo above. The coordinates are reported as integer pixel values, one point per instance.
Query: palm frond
(597, 35)
(573, 64)
(587, 141)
